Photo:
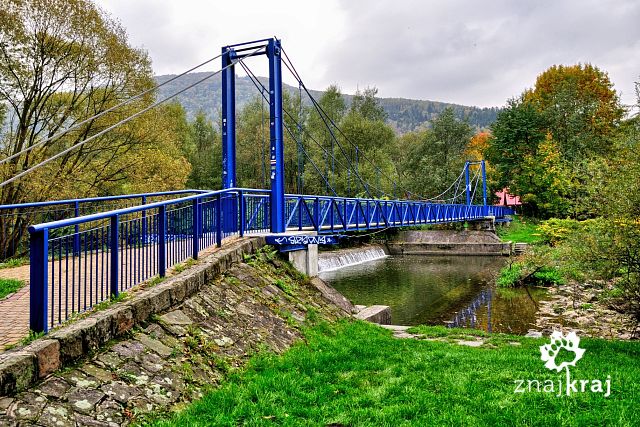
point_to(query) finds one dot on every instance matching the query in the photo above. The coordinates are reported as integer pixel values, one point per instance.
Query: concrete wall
(447, 242)
(23, 366)
(305, 260)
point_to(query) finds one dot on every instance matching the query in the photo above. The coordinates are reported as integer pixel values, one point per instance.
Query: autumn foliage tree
(581, 109)
(548, 144)
(61, 63)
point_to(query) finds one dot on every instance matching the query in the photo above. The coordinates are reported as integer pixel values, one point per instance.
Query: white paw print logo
(570, 342)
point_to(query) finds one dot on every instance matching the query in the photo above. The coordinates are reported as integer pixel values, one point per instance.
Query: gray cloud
(465, 51)
(482, 52)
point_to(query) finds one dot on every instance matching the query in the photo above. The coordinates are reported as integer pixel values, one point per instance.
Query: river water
(442, 290)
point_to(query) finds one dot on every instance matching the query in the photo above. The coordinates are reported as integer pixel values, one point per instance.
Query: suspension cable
(128, 119)
(313, 163)
(447, 190)
(257, 83)
(289, 65)
(108, 110)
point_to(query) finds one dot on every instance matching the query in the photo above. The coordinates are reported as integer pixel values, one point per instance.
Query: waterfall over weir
(335, 260)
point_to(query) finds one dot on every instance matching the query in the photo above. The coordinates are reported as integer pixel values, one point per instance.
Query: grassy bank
(357, 374)
(520, 230)
(9, 286)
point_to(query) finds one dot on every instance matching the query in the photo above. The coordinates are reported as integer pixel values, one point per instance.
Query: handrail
(98, 199)
(133, 209)
(124, 251)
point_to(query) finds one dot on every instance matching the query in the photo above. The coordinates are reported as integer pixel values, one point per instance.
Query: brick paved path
(14, 309)
(14, 315)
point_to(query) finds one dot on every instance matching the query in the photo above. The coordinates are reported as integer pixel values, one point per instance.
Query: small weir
(330, 261)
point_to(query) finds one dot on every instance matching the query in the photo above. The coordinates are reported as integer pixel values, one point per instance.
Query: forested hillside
(404, 115)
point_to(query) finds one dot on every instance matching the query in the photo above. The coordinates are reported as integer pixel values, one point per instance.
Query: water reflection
(467, 317)
(457, 291)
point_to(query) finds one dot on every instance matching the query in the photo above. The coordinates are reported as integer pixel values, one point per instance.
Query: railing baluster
(76, 239)
(243, 212)
(316, 213)
(196, 228)
(114, 279)
(162, 241)
(39, 288)
(218, 207)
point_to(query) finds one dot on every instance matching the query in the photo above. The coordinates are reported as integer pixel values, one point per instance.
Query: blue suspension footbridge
(85, 251)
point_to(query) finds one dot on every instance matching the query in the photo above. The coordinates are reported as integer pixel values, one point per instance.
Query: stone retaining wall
(22, 367)
(160, 361)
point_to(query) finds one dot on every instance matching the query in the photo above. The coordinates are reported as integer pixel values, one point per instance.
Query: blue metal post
(162, 241)
(228, 120)
(229, 137)
(243, 212)
(76, 236)
(114, 238)
(195, 223)
(39, 288)
(484, 183)
(276, 152)
(316, 213)
(344, 215)
(218, 220)
(467, 188)
(144, 222)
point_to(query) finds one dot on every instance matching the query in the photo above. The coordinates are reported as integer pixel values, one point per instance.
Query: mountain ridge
(404, 114)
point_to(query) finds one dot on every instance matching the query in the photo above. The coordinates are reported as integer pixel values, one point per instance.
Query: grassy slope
(357, 374)
(9, 286)
(519, 231)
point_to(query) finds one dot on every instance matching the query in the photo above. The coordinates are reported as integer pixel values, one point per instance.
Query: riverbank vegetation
(520, 230)
(571, 150)
(353, 373)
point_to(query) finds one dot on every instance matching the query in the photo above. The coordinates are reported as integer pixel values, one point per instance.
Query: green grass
(14, 262)
(9, 286)
(357, 374)
(520, 230)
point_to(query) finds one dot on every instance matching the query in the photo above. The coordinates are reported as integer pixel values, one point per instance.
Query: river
(442, 290)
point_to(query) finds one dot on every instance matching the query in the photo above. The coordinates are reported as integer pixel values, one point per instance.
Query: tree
(450, 138)
(321, 145)
(204, 153)
(366, 105)
(574, 108)
(62, 62)
(516, 134)
(544, 182)
(478, 145)
(434, 158)
(581, 109)
(371, 137)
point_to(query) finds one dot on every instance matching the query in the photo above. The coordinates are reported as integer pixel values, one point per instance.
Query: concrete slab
(380, 314)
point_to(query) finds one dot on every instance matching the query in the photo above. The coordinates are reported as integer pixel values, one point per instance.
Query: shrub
(610, 249)
(555, 230)
(548, 276)
(541, 266)
(519, 274)
(509, 276)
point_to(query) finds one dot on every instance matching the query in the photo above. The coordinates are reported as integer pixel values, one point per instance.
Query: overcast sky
(463, 51)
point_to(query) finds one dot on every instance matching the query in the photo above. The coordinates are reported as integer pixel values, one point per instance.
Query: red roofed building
(506, 199)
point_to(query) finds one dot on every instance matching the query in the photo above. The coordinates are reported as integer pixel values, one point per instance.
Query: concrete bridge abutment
(486, 224)
(305, 260)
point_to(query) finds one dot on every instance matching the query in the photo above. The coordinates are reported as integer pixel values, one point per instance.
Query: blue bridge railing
(15, 218)
(81, 261)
